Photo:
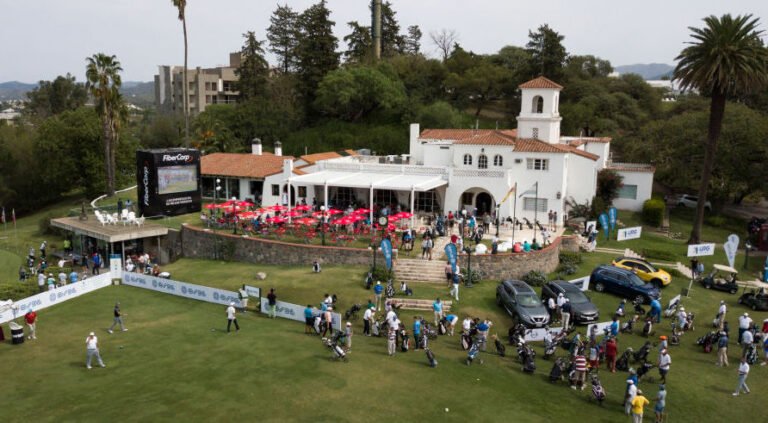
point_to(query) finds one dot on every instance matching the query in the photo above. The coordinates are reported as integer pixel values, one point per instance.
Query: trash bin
(17, 333)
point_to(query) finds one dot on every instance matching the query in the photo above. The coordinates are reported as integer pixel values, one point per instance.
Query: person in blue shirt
(309, 319)
(452, 319)
(377, 290)
(526, 246)
(416, 331)
(620, 309)
(73, 276)
(615, 327)
(437, 307)
(656, 310)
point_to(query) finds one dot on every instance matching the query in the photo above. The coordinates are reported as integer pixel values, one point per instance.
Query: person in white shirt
(62, 278)
(552, 308)
(231, 317)
(466, 325)
(41, 281)
(664, 361)
(746, 341)
(630, 396)
(744, 323)
(368, 320)
(743, 373)
(391, 317)
(92, 350)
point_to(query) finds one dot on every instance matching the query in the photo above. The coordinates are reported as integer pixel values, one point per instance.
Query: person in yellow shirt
(637, 407)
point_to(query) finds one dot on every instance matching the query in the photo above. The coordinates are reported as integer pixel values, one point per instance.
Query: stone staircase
(417, 270)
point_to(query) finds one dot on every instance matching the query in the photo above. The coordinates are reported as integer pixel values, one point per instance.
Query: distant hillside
(139, 93)
(648, 71)
(14, 90)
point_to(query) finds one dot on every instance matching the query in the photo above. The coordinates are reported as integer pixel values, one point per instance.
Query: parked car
(646, 271)
(690, 201)
(522, 303)
(721, 278)
(623, 282)
(582, 309)
(755, 298)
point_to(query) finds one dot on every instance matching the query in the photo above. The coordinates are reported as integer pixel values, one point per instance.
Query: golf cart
(722, 278)
(756, 297)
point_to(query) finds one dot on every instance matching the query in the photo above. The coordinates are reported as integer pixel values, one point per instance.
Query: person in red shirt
(580, 368)
(31, 319)
(610, 354)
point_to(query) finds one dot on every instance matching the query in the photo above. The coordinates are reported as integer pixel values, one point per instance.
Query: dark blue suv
(624, 283)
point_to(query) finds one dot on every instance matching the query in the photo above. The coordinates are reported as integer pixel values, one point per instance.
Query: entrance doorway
(483, 203)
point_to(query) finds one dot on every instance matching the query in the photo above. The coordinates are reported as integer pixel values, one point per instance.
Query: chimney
(278, 148)
(256, 146)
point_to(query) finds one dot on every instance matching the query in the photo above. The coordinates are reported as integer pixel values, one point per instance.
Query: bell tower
(539, 112)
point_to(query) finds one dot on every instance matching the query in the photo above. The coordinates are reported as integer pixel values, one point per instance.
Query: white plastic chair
(140, 221)
(124, 216)
(130, 218)
(100, 218)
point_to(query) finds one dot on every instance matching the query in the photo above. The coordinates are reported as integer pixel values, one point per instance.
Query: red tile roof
(541, 82)
(316, 157)
(462, 134)
(242, 165)
(632, 167)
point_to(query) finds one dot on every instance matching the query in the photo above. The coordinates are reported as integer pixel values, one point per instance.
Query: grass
(176, 362)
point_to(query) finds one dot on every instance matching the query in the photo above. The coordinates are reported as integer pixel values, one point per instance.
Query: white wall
(602, 149)
(437, 155)
(644, 182)
(582, 178)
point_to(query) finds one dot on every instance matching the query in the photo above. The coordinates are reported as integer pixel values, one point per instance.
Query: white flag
(531, 190)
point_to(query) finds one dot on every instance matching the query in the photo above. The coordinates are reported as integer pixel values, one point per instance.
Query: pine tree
(548, 55)
(359, 43)
(283, 34)
(316, 51)
(412, 41)
(392, 43)
(254, 69)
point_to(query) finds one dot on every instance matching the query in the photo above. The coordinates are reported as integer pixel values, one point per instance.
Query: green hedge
(535, 278)
(650, 253)
(653, 212)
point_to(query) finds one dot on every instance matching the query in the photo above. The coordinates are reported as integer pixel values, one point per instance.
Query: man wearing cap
(437, 307)
(638, 403)
(367, 319)
(565, 314)
(348, 335)
(377, 290)
(744, 323)
(92, 350)
(664, 361)
(682, 319)
(232, 318)
(747, 338)
(118, 318)
(629, 396)
(721, 315)
(743, 373)
(661, 403)
(722, 349)
(31, 319)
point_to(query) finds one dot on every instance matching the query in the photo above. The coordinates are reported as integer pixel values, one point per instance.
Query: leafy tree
(423, 78)
(392, 43)
(53, 97)
(479, 84)
(609, 182)
(181, 5)
(548, 55)
(412, 40)
(353, 93)
(726, 57)
(253, 70)
(213, 132)
(440, 115)
(444, 40)
(359, 44)
(587, 67)
(316, 51)
(161, 131)
(283, 36)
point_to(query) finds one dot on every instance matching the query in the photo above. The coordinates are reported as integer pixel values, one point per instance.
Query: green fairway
(176, 362)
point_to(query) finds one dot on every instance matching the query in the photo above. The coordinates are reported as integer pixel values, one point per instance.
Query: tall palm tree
(726, 58)
(182, 6)
(102, 73)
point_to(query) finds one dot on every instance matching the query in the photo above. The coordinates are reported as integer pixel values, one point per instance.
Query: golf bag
(689, 322)
(623, 362)
(430, 357)
(351, 314)
(368, 281)
(642, 353)
(556, 374)
(405, 345)
(474, 350)
(551, 347)
(428, 330)
(333, 345)
(629, 325)
(529, 360)
(424, 341)
(500, 348)
(318, 325)
(671, 309)
(441, 328)
(389, 291)
(647, 327)
(639, 310)
(466, 341)
(751, 354)
(707, 341)
(376, 328)
(643, 370)
(516, 334)
(316, 267)
(597, 389)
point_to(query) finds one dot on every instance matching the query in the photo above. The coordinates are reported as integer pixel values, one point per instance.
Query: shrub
(718, 221)
(570, 257)
(650, 253)
(672, 272)
(566, 269)
(380, 273)
(598, 207)
(475, 277)
(609, 182)
(653, 212)
(535, 278)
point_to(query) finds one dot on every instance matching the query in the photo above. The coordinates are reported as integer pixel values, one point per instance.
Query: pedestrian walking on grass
(610, 354)
(722, 350)
(629, 396)
(416, 331)
(437, 307)
(747, 338)
(92, 350)
(638, 404)
(328, 319)
(664, 361)
(661, 403)
(744, 323)
(232, 317)
(377, 290)
(31, 319)
(455, 288)
(743, 373)
(272, 299)
(367, 320)
(392, 341)
(118, 319)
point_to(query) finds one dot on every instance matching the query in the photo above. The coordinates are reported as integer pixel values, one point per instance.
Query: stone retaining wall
(515, 265)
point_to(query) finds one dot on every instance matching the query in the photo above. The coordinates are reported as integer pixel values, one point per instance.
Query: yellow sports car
(644, 270)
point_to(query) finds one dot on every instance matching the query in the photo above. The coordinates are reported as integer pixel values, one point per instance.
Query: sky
(40, 39)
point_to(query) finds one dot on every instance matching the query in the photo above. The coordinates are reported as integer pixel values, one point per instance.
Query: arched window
(482, 162)
(468, 159)
(498, 160)
(557, 101)
(538, 105)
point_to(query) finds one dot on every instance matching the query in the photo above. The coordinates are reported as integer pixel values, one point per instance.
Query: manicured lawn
(176, 363)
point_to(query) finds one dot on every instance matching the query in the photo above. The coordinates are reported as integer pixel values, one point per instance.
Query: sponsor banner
(629, 233)
(612, 213)
(698, 250)
(731, 246)
(537, 335)
(55, 296)
(253, 291)
(600, 327)
(450, 253)
(295, 312)
(582, 283)
(168, 181)
(182, 289)
(604, 224)
(386, 249)
(116, 266)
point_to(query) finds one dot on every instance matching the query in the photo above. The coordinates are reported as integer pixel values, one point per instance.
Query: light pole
(747, 247)
(234, 216)
(468, 280)
(498, 219)
(216, 190)
(322, 227)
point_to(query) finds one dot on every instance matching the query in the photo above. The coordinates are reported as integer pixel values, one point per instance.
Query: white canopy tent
(371, 181)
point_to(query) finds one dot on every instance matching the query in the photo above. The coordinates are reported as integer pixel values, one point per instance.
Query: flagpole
(536, 213)
(514, 215)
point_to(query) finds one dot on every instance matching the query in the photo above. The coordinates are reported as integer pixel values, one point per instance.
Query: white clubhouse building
(456, 169)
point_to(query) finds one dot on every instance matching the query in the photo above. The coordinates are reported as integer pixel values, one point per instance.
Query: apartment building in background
(206, 86)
